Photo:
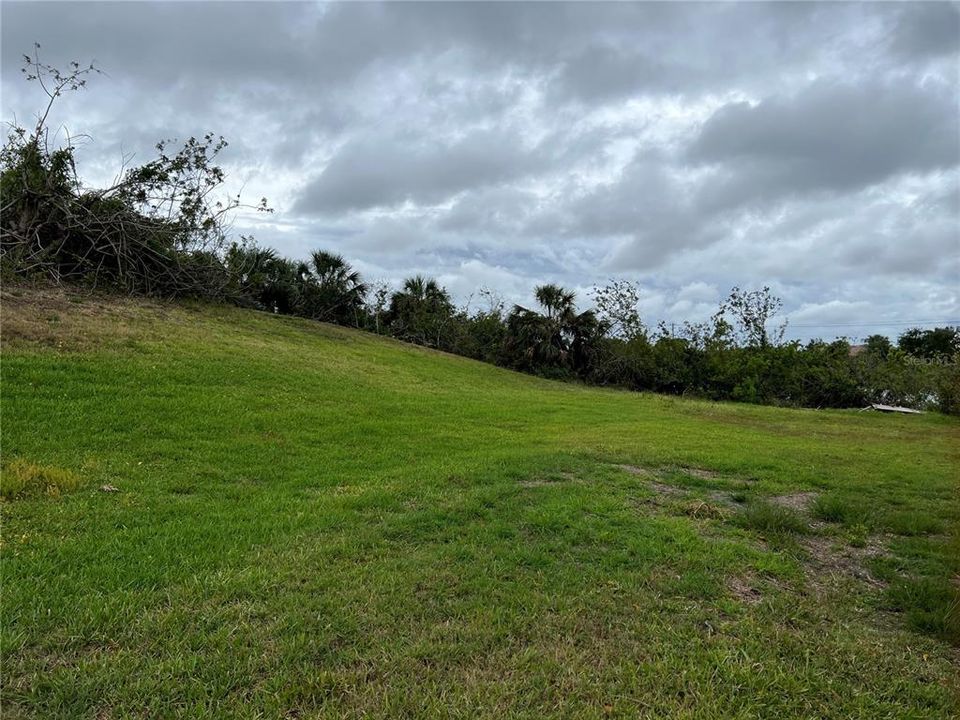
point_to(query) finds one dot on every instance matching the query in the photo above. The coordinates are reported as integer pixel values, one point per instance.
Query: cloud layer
(811, 147)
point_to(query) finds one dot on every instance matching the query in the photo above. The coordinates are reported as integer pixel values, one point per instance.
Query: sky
(813, 148)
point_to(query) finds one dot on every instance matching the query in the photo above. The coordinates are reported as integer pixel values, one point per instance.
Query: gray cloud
(927, 29)
(603, 72)
(693, 146)
(387, 171)
(830, 137)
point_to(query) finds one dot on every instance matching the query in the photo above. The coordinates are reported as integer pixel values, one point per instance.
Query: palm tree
(333, 290)
(557, 302)
(248, 265)
(421, 311)
(421, 289)
(558, 337)
(268, 280)
(334, 270)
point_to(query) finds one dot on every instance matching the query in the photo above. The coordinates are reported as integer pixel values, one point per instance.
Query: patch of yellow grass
(73, 319)
(21, 478)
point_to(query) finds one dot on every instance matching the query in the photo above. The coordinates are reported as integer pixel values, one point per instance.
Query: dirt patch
(637, 470)
(719, 500)
(827, 558)
(651, 477)
(664, 489)
(701, 473)
(741, 587)
(800, 502)
(557, 479)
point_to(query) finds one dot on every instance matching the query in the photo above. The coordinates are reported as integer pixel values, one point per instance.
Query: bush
(948, 389)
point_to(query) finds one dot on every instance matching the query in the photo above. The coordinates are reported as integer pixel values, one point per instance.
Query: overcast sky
(811, 147)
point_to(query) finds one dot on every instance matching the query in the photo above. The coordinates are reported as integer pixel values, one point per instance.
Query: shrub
(948, 392)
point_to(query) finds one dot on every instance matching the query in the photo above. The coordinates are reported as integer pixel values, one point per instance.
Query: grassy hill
(212, 511)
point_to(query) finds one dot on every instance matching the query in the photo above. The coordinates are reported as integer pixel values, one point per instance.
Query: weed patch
(700, 510)
(836, 509)
(930, 604)
(912, 523)
(21, 478)
(765, 517)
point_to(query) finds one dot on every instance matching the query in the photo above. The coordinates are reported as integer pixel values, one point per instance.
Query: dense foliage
(159, 231)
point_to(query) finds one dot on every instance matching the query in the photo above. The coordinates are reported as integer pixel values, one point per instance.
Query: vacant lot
(211, 511)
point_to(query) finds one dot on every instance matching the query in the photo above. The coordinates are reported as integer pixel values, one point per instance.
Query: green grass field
(305, 521)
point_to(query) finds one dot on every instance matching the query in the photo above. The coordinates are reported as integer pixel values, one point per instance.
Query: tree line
(738, 355)
(160, 230)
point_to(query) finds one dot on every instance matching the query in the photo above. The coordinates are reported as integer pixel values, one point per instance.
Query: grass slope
(313, 522)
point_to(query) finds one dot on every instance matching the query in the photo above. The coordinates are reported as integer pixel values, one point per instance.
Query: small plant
(764, 517)
(831, 508)
(928, 603)
(21, 478)
(857, 535)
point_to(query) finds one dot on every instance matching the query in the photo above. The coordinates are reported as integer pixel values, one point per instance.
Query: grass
(314, 522)
(20, 478)
(771, 519)
(836, 509)
(923, 600)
